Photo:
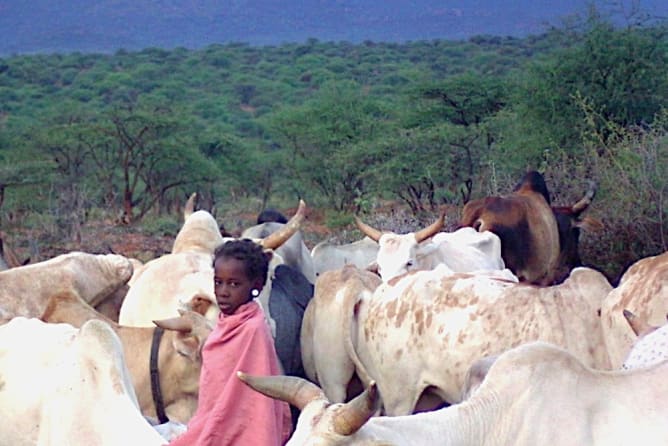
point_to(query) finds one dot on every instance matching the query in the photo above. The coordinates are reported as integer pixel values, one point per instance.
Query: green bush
(161, 226)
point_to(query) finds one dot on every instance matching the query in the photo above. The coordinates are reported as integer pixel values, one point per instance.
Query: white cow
(464, 250)
(326, 334)
(651, 346)
(183, 279)
(328, 256)
(431, 325)
(25, 290)
(535, 394)
(67, 386)
(180, 280)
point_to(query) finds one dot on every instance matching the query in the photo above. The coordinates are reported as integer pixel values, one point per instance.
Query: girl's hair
(255, 259)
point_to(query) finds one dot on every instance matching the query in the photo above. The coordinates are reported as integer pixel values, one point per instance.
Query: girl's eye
(217, 282)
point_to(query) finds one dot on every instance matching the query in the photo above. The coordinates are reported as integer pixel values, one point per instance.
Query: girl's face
(231, 285)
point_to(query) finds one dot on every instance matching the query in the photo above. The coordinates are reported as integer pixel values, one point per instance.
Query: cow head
(532, 183)
(397, 253)
(182, 364)
(569, 223)
(200, 231)
(320, 422)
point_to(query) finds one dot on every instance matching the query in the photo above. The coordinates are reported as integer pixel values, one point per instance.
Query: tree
(453, 116)
(139, 149)
(318, 136)
(619, 72)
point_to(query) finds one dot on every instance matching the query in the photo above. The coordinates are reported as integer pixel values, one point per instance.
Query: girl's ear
(258, 285)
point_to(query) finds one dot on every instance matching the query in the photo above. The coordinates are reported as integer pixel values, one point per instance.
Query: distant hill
(47, 26)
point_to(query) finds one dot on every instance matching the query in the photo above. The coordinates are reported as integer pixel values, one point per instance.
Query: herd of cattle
(491, 334)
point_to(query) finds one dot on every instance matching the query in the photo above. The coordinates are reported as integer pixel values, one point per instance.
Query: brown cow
(179, 358)
(538, 243)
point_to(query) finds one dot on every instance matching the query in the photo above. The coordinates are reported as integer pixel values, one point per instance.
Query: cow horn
(639, 327)
(373, 233)
(189, 208)
(585, 201)
(429, 231)
(181, 324)
(355, 413)
(291, 389)
(276, 239)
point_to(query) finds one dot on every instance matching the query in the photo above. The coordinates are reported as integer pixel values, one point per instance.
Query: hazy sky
(107, 25)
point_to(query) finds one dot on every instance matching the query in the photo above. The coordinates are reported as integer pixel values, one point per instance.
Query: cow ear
(200, 305)
(187, 345)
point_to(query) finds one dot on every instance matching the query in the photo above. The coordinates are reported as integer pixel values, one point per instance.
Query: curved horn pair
(300, 392)
(420, 236)
(276, 239)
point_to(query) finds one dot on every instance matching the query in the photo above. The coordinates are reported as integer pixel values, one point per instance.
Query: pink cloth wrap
(228, 411)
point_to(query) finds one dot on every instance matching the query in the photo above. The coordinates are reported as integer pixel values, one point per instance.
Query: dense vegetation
(344, 126)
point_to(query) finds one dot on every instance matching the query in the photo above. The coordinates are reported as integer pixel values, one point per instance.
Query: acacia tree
(140, 150)
(448, 135)
(318, 137)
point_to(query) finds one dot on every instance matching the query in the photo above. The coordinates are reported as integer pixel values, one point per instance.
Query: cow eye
(409, 263)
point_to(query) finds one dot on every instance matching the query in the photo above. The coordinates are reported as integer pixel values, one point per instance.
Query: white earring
(255, 292)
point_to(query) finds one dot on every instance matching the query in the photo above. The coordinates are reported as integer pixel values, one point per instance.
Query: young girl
(228, 411)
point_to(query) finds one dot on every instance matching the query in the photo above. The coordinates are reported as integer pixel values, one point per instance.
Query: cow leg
(334, 381)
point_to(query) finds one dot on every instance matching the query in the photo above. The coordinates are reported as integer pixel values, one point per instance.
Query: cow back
(643, 290)
(426, 328)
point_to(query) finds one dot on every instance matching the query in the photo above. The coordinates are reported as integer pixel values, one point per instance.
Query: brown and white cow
(533, 394)
(651, 346)
(538, 243)
(177, 361)
(25, 290)
(67, 386)
(642, 290)
(464, 250)
(417, 335)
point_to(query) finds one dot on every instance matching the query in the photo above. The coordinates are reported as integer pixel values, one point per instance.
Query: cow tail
(350, 304)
